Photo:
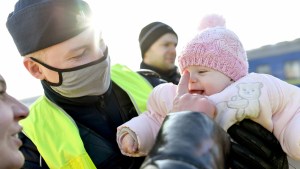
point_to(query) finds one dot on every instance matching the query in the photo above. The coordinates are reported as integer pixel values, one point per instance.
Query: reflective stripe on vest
(136, 86)
(56, 135)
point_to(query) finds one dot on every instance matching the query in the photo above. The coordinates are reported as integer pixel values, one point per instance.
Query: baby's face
(207, 81)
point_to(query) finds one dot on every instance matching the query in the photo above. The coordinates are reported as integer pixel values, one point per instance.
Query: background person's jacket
(172, 75)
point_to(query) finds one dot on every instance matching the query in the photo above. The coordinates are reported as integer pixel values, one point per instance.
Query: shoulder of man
(153, 77)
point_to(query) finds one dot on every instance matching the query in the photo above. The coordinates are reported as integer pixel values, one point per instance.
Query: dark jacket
(172, 75)
(97, 127)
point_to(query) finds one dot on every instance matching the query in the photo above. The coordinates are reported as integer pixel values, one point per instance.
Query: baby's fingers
(129, 145)
(183, 85)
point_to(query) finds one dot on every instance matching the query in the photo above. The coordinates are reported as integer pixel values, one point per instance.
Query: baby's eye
(202, 71)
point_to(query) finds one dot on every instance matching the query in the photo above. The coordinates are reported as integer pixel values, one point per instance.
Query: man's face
(162, 53)
(11, 111)
(81, 49)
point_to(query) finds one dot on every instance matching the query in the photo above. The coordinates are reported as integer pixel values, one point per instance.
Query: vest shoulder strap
(136, 86)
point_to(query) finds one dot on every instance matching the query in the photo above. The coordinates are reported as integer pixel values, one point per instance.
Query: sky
(256, 22)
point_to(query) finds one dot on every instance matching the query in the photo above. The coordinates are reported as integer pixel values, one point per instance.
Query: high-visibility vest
(56, 135)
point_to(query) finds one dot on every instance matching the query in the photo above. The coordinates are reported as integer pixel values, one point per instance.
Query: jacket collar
(61, 100)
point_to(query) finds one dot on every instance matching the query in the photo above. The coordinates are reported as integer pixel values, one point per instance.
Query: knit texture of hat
(217, 48)
(38, 24)
(150, 33)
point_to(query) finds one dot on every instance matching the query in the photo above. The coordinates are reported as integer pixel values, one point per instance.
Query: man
(158, 43)
(74, 124)
(73, 64)
(12, 111)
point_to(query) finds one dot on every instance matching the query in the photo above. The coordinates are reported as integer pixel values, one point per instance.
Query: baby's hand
(129, 145)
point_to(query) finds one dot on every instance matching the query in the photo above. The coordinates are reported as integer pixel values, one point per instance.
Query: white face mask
(90, 79)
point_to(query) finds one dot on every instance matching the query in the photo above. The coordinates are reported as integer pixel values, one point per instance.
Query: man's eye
(80, 55)
(2, 88)
(2, 92)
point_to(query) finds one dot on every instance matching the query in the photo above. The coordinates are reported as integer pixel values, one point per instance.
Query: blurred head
(11, 112)
(60, 46)
(158, 43)
(216, 48)
(178, 147)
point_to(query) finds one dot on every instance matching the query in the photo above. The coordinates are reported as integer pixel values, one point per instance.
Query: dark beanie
(150, 33)
(38, 24)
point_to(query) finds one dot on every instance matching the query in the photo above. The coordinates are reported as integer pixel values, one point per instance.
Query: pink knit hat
(217, 48)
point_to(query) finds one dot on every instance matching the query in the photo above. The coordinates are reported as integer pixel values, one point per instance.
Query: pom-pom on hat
(216, 47)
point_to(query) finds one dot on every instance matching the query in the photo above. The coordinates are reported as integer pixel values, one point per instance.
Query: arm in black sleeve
(255, 147)
(33, 159)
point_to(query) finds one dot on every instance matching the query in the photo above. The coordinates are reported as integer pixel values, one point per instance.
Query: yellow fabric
(136, 86)
(56, 137)
(81, 162)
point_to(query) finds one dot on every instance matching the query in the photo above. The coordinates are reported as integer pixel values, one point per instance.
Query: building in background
(281, 60)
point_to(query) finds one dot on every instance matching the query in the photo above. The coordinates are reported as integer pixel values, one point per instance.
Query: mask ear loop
(51, 68)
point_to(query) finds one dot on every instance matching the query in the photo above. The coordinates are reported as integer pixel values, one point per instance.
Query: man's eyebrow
(72, 51)
(78, 48)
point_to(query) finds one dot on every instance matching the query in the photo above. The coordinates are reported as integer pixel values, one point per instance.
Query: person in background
(73, 124)
(11, 112)
(158, 43)
(215, 73)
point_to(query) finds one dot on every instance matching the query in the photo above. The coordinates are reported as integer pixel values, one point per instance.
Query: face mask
(90, 79)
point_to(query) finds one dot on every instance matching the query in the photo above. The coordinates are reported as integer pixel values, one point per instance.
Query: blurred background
(267, 29)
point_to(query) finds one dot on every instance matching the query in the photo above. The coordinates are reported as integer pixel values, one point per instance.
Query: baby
(215, 67)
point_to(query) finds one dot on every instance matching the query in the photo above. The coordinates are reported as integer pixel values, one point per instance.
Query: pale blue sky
(256, 22)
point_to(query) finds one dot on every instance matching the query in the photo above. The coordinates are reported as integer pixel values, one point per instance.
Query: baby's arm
(245, 98)
(137, 136)
(267, 100)
(290, 138)
(286, 116)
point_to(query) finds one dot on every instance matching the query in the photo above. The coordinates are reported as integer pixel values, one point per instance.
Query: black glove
(189, 140)
(255, 147)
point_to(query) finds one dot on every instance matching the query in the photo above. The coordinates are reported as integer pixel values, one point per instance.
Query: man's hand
(184, 101)
(256, 148)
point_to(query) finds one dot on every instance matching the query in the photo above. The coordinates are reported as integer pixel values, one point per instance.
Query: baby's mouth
(196, 92)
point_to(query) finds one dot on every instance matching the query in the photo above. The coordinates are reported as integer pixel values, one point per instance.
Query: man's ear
(33, 68)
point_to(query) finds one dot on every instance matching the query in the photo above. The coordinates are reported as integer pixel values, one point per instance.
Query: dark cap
(150, 33)
(38, 24)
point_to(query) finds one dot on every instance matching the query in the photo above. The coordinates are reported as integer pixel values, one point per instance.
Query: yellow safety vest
(136, 86)
(65, 150)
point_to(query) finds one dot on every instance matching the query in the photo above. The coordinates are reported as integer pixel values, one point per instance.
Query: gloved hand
(189, 140)
(255, 147)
